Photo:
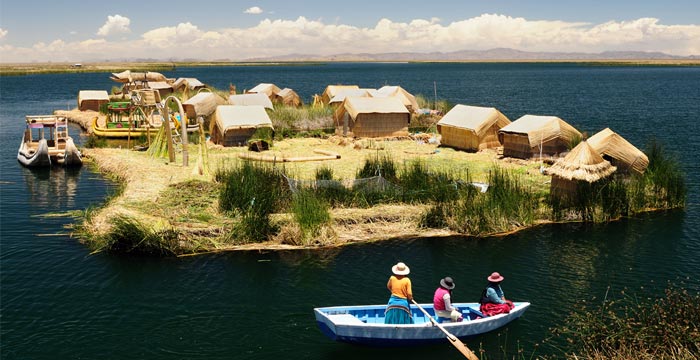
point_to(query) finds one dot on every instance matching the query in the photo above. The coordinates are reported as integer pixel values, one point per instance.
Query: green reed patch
(254, 191)
(310, 212)
(507, 204)
(664, 327)
(132, 237)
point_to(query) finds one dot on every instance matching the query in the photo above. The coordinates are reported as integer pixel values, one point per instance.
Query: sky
(81, 31)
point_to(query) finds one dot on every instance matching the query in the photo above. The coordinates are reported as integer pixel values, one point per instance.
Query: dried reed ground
(147, 181)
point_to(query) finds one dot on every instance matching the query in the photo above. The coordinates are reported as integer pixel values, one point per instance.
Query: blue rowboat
(364, 324)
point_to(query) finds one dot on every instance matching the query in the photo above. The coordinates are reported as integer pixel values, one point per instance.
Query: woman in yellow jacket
(398, 310)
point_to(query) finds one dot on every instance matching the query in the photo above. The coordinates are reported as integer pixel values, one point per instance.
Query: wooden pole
(459, 345)
(168, 133)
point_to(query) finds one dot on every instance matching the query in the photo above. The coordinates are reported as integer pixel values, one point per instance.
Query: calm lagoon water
(59, 301)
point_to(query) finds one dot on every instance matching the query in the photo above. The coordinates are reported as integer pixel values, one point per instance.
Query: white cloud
(116, 24)
(274, 37)
(253, 10)
(3, 33)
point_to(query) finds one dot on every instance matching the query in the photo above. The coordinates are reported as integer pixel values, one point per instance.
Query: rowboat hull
(31, 156)
(123, 132)
(69, 156)
(364, 324)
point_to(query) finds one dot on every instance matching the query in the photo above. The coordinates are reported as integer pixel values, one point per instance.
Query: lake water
(59, 301)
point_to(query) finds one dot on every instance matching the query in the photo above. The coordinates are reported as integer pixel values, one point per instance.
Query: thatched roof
(582, 163)
(341, 95)
(268, 89)
(406, 97)
(474, 118)
(191, 83)
(129, 77)
(159, 85)
(369, 105)
(229, 117)
(99, 95)
(333, 90)
(608, 142)
(202, 104)
(541, 129)
(288, 96)
(250, 99)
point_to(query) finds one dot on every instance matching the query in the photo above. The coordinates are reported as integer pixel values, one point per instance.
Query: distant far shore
(9, 69)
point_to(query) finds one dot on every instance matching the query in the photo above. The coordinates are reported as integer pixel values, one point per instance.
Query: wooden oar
(459, 345)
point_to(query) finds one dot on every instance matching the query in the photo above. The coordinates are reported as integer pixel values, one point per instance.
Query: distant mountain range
(497, 54)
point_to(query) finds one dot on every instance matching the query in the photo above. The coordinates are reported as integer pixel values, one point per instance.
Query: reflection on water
(53, 188)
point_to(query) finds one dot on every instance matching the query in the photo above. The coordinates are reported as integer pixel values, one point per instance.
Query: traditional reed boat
(46, 142)
(364, 324)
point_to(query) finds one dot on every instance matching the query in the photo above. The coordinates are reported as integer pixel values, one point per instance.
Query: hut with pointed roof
(288, 97)
(532, 135)
(92, 99)
(234, 125)
(471, 128)
(270, 90)
(251, 99)
(581, 164)
(372, 117)
(614, 148)
(333, 90)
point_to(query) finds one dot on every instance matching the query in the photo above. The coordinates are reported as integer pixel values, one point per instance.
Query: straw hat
(495, 277)
(447, 283)
(400, 269)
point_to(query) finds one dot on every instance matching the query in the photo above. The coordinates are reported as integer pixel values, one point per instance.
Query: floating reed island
(266, 171)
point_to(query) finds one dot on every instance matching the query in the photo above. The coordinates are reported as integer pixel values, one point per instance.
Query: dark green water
(59, 301)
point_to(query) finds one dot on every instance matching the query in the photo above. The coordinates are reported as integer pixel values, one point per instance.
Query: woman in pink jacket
(442, 301)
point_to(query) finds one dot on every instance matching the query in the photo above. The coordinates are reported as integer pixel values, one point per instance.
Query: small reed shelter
(288, 97)
(406, 97)
(234, 125)
(372, 117)
(251, 99)
(471, 128)
(333, 90)
(202, 105)
(92, 99)
(614, 148)
(532, 135)
(582, 164)
(270, 90)
(191, 84)
(163, 87)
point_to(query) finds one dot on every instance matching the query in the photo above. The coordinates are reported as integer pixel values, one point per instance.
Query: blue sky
(38, 30)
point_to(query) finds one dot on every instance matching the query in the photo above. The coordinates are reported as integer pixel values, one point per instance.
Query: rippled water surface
(59, 301)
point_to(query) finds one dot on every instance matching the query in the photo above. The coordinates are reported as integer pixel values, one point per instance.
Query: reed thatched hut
(270, 90)
(203, 104)
(233, 125)
(471, 128)
(333, 90)
(163, 88)
(191, 84)
(614, 148)
(406, 97)
(372, 117)
(92, 99)
(251, 99)
(532, 135)
(288, 97)
(582, 164)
